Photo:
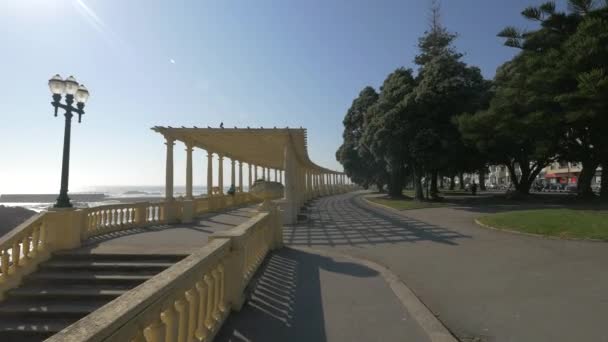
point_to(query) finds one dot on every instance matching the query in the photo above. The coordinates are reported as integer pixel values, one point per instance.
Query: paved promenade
(168, 239)
(484, 285)
(302, 296)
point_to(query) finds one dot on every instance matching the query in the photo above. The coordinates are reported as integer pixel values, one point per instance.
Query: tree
(355, 158)
(385, 133)
(516, 130)
(446, 88)
(568, 52)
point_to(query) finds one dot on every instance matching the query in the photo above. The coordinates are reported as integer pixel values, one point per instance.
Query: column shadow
(347, 221)
(285, 302)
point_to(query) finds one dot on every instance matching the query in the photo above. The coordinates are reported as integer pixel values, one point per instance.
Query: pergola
(282, 149)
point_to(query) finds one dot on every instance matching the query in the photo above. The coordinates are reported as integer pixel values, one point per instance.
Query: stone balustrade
(190, 300)
(21, 250)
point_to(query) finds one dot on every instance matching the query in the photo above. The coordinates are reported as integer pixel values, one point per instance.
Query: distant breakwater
(49, 198)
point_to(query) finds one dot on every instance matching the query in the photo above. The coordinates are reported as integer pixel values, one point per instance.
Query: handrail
(191, 299)
(194, 286)
(21, 250)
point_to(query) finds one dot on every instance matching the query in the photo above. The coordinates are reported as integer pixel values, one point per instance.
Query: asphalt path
(484, 285)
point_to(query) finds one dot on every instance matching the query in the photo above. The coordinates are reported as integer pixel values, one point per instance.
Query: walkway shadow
(285, 301)
(207, 223)
(348, 221)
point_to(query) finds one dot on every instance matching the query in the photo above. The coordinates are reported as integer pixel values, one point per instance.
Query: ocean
(94, 196)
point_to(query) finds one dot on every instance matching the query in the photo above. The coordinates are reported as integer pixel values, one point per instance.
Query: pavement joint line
(432, 326)
(539, 236)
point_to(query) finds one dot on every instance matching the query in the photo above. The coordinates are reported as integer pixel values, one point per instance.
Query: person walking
(474, 188)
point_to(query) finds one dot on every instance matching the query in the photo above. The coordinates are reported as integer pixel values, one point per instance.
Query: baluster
(209, 314)
(36, 239)
(201, 331)
(16, 255)
(222, 288)
(182, 321)
(168, 317)
(4, 263)
(139, 337)
(42, 246)
(192, 298)
(26, 249)
(154, 332)
(216, 295)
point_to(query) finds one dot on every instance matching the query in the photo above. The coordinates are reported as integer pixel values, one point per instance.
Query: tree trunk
(583, 188)
(418, 191)
(395, 186)
(523, 184)
(434, 190)
(380, 187)
(482, 179)
(604, 181)
(452, 182)
(461, 180)
(441, 186)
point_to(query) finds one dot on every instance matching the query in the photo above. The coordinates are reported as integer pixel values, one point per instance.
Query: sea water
(113, 194)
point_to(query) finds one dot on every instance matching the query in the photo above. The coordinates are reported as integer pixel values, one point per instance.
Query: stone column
(276, 177)
(268, 174)
(209, 173)
(290, 211)
(232, 173)
(220, 175)
(169, 170)
(255, 173)
(249, 176)
(264, 173)
(241, 175)
(189, 149)
(280, 176)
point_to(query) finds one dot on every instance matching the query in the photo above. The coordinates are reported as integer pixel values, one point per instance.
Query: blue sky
(246, 63)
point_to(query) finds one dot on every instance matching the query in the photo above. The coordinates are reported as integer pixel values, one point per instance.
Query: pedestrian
(474, 188)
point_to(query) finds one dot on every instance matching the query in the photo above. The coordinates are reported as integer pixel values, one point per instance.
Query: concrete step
(43, 309)
(155, 266)
(65, 292)
(26, 330)
(86, 255)
(87, 278)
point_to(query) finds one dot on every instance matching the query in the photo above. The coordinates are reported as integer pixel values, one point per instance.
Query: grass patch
(564, 223)
(405, 203)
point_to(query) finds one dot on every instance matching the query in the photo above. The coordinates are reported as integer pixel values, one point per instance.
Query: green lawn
(565, 223)
(405, 204)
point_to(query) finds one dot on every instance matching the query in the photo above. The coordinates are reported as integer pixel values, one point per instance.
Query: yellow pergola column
(169, 169)
(189, 149)
(232, 173)
(241, 175)
(209, 173)
(249, 177)
(220, 173)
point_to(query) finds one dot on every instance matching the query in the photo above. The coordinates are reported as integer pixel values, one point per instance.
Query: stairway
(68, 287)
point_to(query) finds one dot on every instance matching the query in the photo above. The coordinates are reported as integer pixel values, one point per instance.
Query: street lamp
(79, 93)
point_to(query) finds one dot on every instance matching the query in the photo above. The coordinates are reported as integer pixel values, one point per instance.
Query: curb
(432, 326)
(539, 236)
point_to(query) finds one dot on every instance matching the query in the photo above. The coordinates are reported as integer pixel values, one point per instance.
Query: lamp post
(73, 92)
